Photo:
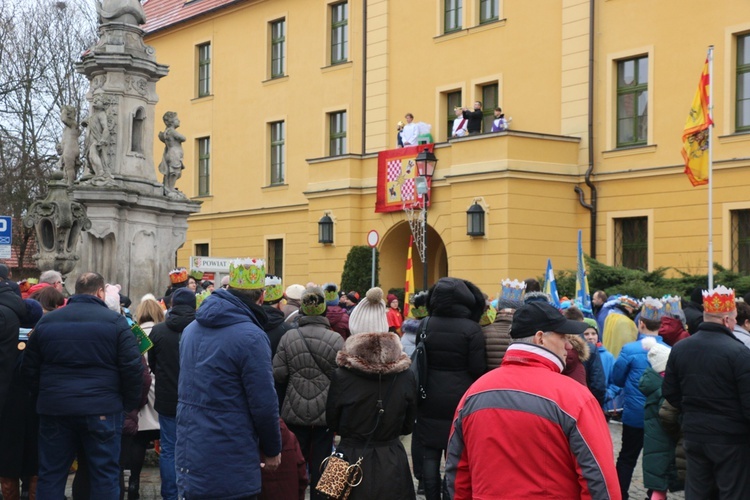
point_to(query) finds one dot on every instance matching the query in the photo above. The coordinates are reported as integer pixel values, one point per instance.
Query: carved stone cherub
(68, 146)
(171, 165)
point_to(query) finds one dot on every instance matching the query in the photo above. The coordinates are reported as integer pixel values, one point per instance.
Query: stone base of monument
(133, 239)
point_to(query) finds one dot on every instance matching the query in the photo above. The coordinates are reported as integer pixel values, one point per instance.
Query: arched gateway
(393, 253)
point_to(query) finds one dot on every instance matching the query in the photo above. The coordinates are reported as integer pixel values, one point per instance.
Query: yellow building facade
(286, 103)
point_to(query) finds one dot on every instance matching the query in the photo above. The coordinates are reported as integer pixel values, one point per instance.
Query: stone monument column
(136, 229)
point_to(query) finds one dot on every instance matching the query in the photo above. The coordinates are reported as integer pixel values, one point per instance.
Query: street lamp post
(426, 162)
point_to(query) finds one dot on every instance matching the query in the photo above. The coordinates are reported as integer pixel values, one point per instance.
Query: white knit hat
(658, 354)
(369, 315)
(294, 292)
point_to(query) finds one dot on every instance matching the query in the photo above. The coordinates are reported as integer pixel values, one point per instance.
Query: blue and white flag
(550, 285)
(583, 297)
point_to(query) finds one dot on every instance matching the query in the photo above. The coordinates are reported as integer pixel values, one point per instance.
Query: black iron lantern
(475, 220)
(426, 163)
(325, 230)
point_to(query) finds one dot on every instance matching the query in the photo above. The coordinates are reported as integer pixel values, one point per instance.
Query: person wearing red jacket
(545, 432)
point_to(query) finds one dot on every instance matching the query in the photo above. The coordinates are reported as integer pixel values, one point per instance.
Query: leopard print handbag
(339, 477)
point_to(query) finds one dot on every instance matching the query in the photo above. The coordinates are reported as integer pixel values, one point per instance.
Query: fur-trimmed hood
(581, 346)
(375, 353)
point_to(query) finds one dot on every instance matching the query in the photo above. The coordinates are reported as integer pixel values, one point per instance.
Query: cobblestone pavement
(150, 482)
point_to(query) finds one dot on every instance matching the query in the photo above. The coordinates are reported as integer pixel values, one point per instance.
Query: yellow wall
(537, 53)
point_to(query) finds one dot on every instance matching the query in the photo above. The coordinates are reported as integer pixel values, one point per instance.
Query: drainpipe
(590, 206)
(364, 76)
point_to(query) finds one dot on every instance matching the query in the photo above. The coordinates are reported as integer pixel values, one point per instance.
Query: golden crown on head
(178, 275)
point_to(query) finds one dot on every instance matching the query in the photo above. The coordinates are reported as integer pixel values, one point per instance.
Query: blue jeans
(168, 436)
(98, 435)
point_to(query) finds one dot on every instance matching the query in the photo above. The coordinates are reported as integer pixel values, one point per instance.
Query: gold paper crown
(178, 275)
(274, 289)
(24, 285)
(718, 300)
(197, 274)
(247, 274)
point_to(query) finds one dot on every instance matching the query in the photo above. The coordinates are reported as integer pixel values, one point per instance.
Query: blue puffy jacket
(83, 359)
(227, 411)
(627, 373)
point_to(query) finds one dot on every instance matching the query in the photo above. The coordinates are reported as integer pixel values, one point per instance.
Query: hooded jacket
(544, 432)
(275, 326)
(339, 320)
(373, 367)
(627, 373)
(227, 413)
(575, 358)
(456, 355)
(671, 330)
(164, 357)
(659, 468)
(12, 309)
(299, 369)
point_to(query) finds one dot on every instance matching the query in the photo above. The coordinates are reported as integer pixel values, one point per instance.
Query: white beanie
(658, 354)
(369, 315)
(294, 292)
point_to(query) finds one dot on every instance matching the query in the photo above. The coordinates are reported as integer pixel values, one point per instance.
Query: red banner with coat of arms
(397, 169)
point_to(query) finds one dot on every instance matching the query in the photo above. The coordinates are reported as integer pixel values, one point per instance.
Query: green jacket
(659, 470)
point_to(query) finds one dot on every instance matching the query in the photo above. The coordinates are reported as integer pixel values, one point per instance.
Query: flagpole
(710, 167)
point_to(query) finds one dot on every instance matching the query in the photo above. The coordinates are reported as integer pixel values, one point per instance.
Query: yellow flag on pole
(695, 136)
(409, 284)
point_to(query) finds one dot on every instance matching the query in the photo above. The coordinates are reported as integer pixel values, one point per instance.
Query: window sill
(499, 23)
(275, 187)
(736, 137)
(203, 197)
(277, 79)
(337, 66)
(209, 97)
(629, 151)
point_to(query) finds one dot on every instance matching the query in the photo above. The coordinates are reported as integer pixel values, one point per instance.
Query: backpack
(419, 361)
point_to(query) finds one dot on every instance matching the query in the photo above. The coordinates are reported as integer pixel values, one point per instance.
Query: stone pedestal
(133, 238)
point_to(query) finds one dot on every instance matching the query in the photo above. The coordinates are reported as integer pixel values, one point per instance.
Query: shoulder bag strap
(380, 410)
(312, 355)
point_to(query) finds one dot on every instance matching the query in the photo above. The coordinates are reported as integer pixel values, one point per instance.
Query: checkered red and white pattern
(408, 192)
(393, 170)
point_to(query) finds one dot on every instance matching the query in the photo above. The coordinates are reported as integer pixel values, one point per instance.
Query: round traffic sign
(372, 238)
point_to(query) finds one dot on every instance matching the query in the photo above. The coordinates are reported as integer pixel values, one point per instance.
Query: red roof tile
(162, 14)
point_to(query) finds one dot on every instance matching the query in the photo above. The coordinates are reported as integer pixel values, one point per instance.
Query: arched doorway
(393, 250)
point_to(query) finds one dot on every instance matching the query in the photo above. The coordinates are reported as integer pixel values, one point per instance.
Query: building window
(339, 33)
(631, 242)
(743, 83)
(452, 100)
(741, 241)
(453, 11)
(204, 69)
(278, 152)
(488, 10)
(204, 166)
(278, 48)
(489, 103)
(275, 260)
(632, 102)
(337, 127)
(201, 250)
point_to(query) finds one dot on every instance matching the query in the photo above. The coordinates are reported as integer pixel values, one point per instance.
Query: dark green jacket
(659, 470)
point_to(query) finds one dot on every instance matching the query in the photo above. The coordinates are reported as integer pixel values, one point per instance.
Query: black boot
(134, 485)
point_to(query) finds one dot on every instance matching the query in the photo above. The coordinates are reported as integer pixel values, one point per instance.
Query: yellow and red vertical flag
(409, 285)
(696, 135)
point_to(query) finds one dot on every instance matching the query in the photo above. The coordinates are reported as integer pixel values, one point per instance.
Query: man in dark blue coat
(84, 363)
(227, 409)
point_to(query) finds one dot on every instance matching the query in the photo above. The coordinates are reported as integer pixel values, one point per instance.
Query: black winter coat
(275, 326)
(83, 359)
(164, 357)
(708, 380)
(456, 356)
(12, 309)
(372, 366)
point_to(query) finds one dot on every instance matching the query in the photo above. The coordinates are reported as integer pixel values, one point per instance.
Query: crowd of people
(251, 389)
(468, 121)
